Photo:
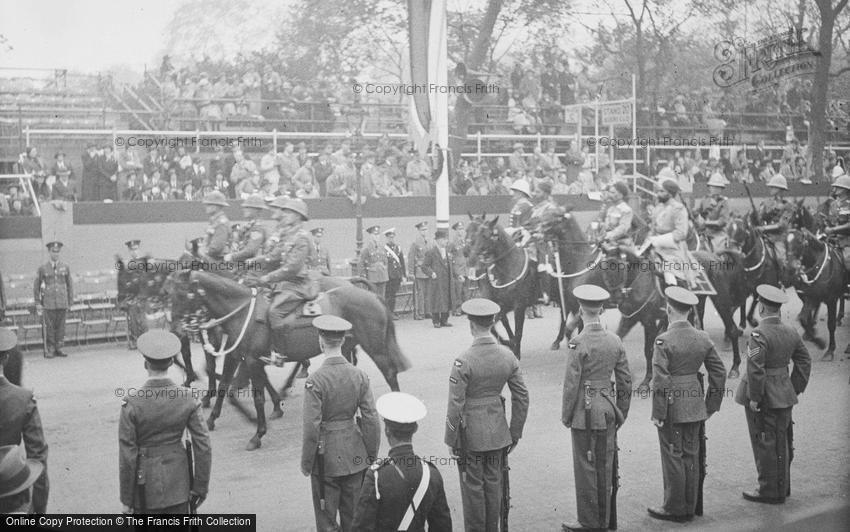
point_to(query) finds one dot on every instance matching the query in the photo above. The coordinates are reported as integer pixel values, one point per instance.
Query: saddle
(289, 312)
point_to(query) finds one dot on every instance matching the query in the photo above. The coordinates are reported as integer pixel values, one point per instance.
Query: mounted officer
(521, 209)
(838, 217)
(669, 231)
(594, 411)
(537, 248)
(775, 215)
(617, 218)
(252, 234)
(217, 239)
(713, 213)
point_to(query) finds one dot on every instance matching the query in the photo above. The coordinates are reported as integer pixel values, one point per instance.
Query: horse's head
(801, 217)
(617, 268)
(489, 242)
(801, 247)
(740, 234)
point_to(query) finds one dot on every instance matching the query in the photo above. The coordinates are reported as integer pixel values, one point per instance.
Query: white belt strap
(417, 497)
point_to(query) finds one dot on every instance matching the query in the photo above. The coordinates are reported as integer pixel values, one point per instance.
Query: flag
(428, 67)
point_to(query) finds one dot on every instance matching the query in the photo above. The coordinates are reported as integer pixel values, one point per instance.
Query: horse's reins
(804, 276)
(590, 267)
(217, 321)
(522, 273)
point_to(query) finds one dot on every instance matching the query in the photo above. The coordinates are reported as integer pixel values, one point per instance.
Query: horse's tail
(399, 359)
(13, 369)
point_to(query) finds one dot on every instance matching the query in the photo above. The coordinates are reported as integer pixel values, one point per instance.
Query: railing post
(198, 137)
(539, 140)
(274, 136)
(478, 145)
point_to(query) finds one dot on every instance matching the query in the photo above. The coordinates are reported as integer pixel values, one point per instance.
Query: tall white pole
(634, 126)
(440, 100)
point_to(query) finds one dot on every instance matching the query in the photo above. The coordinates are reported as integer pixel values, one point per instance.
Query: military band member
(20, 422)
(680, 404)
(373, 260)
(137, 323)
(593, 410)
(775, 214)
(421, 281)
(713, 213)
(217, 239)
(768, 394)
(53, 295)
(477, 431)
(321, 258)
(402, 492)
(396, 271)
(338, 446)
(252, 234)
(838, 218)
(153, 464)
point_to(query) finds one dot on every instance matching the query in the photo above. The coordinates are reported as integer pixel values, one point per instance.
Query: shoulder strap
(417, 497)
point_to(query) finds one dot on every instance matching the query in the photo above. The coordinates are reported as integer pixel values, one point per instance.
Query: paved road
(80, 412)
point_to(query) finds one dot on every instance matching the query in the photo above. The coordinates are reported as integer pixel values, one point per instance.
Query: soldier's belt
(160, 450)
(684, 379)
(776, 371)
(478, 401)
(599, 384)
(338, 425)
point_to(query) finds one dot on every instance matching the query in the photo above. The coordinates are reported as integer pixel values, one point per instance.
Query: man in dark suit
(437, 265)
(90, 174)
(20, 421)
(324, 167)
(53, 293)
(107, 182)
(395, 269)
(153, 465)
(403, 492)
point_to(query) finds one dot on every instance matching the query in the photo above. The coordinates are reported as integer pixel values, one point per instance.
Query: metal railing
(25, 181)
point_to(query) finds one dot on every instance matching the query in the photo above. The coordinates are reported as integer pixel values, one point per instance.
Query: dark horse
(13, 368)
(584, 263)
(238, 308)
(506, 274)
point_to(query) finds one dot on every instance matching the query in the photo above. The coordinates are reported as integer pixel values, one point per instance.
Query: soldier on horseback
(217, 239)
(838, 217)
(535, 244)
(252, 235)
(669, 233)
(775, 214)
(617, 217)
(713, 214)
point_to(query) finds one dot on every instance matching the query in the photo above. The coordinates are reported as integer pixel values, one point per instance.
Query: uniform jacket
(475, 397)
(150, 436)
(671, 217)
(618, 221)
(54, 287)
(252, 236)
(388, 489)
(373, 260)
(772, 211)
(679, 353)
(440, 290)
(20, 421)
(715, 209)
(332, 397)
(459, 263)
(771, 347)
(537, 213)
(839, 214)
(593, 356)
(521, 212)
(416, 256)
(320, 259)
(289, 254)
(217, 239)
(395, 261)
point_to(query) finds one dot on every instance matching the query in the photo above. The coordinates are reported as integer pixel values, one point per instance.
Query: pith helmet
(215, 198)
(521, 185)
(716, 180)
(255, 201)
(842, 182)
(778, 181)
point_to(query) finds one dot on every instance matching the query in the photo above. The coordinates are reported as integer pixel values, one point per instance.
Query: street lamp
(356, 118)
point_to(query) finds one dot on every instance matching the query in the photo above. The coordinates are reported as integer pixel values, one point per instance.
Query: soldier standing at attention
(477, 431)
(421, 281)
(373, 261)
(713, 213)
(321, 258)
(252, 234)
(153, 465)
(53, 294)
(594, 410)
(403, 492)
(678, 408)
(217, 240)
(137, 323)
(768, 394)
(20, 422)
(338, 446)
(395, 269)
(460, 268)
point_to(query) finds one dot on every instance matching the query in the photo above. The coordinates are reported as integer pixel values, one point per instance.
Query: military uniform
(249, 241)
(395, 270)
(594, 410)
(285, 259)
(669, 232)
(402, 492)
(459, 268)
(20, 421)
(54, 290)
(217, 238)
(618, 224)
(475, 422)
(775, 215)
(715, 213)
(152, 459)
(520, 212)
(839, 215)
(320, 259)
(421, 282)
(771, 347)
(373, 262)
(681, 403)
(336, 447)
(132, 303)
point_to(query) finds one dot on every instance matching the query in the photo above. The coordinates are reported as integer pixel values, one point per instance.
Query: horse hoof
(276, 414)
(253, 444)
(820, 342)
(734, 373)
(555, 346)
(829, 356)
(210, 424)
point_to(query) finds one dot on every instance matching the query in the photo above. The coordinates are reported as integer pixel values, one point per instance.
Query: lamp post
(356, 118)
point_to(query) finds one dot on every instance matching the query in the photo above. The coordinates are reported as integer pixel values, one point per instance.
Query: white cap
(522, 186)
(400, 407)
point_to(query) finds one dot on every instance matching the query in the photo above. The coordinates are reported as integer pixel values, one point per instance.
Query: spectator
(341, 183)
(399, 186)
(304, 179)
(561, 186)
(566, 83)
(549, 82)
(302, 155)
(65, 189)
(61, 167)
(418, 175)
(341, 155)
(90, 175)
(31, 163)
(17, 208)
(269, 170)
(243, 167)
(108, 174)
(324, 169)
(517, 161)
(218, 164)
(480, 187)
(287, 162)
(248, 186)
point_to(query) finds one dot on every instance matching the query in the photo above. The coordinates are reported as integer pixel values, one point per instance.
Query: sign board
(616, 114)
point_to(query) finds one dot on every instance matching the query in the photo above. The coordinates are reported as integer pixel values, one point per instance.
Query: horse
(760, 263)
(508, 277)
(234, 306)
(583, 263)
(820, 278)
(13, 368)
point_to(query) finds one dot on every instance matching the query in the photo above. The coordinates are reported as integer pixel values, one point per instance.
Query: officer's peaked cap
(681, 296)
(400, 407)
(771, 294)
(480, 308)
(158, 345)
(591, 295)
(331, 324)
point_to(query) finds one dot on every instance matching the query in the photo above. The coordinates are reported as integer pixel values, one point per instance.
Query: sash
(392, 253)
(417, 496)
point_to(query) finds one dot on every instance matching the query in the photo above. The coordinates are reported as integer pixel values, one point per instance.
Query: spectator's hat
(294, 205)
(132, 244)
(479, 307)
(680, 296)
(521, 185)
(255, 201)
(716, 180)
(17, 472)
(670, 185)
(518, 145)
(374, 230)
(55, 246)
(771, 294)
(421, 225)
(390, 231)
(333, 326)
(842, 181)
(318, 231)
(457, 225)
(441, 233)
(215, 198)
(158, 344)
(8, 339)
(400, 410)
(590, 295)
(778, 181)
